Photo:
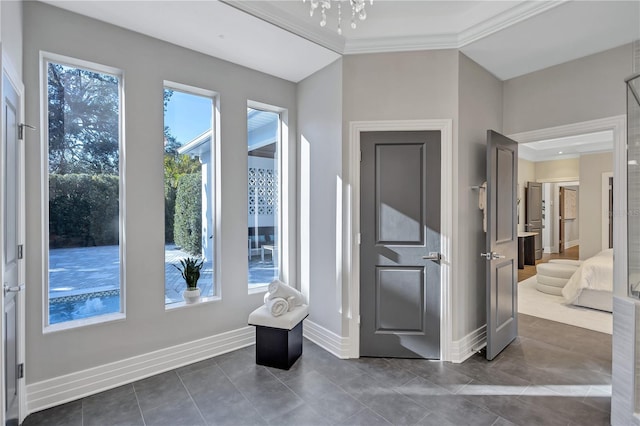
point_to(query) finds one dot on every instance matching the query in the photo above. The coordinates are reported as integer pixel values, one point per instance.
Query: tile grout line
(242, 393)
(135, 393)
(191, 398)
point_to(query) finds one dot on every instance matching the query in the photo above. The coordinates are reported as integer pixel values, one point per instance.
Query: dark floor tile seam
(192, 400)
(242, 393)
(307, 403)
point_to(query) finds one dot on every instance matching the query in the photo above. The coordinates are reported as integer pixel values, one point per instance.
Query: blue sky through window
(188, 115)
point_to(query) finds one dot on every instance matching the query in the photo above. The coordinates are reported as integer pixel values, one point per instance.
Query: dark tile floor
(553, 374)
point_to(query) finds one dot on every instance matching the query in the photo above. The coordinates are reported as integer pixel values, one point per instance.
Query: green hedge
(83, 210)
(187, 225)
(169, 211)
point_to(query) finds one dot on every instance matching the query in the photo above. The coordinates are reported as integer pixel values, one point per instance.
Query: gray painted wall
(589, 210)
(399, 86)
(480, 109)
(146, 62)
(11, 32)
(584, 89)
(320, 126)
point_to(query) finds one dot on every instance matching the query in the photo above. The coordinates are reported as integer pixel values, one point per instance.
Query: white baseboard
(572, 244)
(468, 345)
(326, 339)
(70, 387)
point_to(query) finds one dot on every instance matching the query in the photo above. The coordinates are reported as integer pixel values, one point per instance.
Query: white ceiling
(567, 147)
(508, 38)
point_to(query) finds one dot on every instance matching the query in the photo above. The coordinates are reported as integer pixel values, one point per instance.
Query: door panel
(399, 211)
(400, 299)
(501, 243)
(400, 224)
(533, 210)
(10, 261)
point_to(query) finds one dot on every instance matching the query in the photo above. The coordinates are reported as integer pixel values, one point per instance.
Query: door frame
(618, 125)
(9, 70)
(605, 209)
(352, 213)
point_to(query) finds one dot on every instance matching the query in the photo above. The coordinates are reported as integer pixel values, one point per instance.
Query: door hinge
(21, 127)
(359, 238)
(20, 371)
(20, 251)
(361, 156)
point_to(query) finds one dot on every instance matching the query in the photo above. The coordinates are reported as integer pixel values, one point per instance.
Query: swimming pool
(69, 308)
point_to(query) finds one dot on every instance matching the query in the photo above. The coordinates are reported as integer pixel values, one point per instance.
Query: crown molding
(503, 20)
(328, 39)
(401, 44)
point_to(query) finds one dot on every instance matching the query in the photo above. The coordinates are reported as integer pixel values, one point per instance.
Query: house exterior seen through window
(189, 190)
(83, 110)
(263, 196)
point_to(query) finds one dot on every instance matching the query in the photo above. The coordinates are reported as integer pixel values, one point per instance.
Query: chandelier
(357, 9)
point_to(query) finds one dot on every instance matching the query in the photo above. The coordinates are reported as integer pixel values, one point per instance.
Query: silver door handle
(492, 255)
(8, 289)
(433, 255)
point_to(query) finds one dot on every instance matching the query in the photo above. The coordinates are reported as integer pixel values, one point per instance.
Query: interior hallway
(529, 271)
(553, 374)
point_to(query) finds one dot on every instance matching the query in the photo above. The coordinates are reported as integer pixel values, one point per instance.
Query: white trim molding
(605, 209)
(70, 387)
(352, 228)
(326, 339)
(470, 344)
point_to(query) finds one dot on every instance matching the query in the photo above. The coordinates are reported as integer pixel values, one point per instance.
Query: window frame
(283, 206)
(215, 199)
(45, 59)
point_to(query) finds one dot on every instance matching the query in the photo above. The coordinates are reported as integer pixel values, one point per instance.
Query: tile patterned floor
(553, 374)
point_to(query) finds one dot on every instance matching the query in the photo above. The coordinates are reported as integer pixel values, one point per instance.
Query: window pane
(189, 190)
(264, 205)
(83, 109)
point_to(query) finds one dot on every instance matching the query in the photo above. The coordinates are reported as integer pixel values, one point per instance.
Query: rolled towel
(279, 289)
(291, 300)
(277, 306)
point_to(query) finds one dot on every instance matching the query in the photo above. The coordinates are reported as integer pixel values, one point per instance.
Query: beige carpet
(542, 305)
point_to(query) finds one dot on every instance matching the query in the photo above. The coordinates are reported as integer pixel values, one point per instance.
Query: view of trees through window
(83, 114)
(188, 189)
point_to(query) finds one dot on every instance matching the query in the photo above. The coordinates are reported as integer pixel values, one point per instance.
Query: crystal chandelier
(357, 9)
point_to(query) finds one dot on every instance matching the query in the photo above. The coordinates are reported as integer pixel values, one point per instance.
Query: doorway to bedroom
(565, 183)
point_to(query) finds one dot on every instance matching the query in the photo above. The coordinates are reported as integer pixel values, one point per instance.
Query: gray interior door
(502, 243)
(400, 244)
(533, 219)
(10, 259)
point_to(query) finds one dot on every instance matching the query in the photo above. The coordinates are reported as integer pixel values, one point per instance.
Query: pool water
(71, 308)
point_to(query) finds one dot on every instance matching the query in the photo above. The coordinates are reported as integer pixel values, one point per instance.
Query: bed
(591, 285)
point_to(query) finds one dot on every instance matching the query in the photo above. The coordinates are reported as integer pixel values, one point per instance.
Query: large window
(263, 239)
(189, 189)
(83, 110)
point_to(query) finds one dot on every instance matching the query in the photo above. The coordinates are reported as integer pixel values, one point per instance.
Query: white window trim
(216, 176)
(46, 57)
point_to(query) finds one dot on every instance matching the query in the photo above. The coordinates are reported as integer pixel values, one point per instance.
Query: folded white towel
(279, 289)
(277, 306)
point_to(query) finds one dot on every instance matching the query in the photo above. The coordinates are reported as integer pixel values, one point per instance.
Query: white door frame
(9, 70)
(352, 282)
(605, 209)
(618, 125)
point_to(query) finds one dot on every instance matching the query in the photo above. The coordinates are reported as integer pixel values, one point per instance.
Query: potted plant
(190, 271)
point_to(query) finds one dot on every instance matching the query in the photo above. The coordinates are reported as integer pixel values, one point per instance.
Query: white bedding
(595, 273)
